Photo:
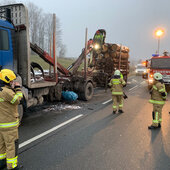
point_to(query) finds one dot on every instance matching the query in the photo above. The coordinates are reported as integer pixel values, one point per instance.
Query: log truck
(15, 52)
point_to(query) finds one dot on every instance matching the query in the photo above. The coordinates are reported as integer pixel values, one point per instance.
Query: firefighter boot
(121, 111)
(159, 125)
(18, 167)
(114, 112)
(3, 163)
(152, 127)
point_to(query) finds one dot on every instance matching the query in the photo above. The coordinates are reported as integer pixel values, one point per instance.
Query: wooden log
(115, 47)
(105, 48)
(106, 55)
(125, 49)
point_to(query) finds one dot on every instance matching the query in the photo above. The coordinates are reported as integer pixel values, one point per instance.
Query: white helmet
(117, 73)
(158, 76)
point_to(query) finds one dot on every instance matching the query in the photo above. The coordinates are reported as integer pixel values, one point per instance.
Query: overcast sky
(127, 22)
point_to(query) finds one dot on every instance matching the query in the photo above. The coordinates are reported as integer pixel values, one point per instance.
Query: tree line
(41, 28)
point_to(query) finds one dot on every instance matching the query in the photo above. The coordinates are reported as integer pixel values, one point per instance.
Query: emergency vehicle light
(151, 75)
(155, 55)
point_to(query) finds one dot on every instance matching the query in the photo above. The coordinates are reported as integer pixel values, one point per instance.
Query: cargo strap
(2, 156)
(13, 161)
(8, 125)
(19, 94)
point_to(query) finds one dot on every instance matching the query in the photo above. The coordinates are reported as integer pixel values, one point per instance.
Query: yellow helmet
(7, 75)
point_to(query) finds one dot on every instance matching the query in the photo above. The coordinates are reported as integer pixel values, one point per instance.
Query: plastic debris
(69, 95)
(60, 107)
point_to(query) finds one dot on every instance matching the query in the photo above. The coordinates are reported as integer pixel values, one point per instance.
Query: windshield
(162, 63)
(140, 67)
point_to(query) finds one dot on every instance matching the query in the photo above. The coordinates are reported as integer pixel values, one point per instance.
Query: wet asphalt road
(97, 139)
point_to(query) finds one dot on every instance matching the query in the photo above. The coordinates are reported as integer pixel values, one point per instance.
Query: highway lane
(98, 139)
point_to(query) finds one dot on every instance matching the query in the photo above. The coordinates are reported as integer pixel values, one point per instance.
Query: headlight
(136, 71)
(150, 81)
(96, 46)
(144, 71)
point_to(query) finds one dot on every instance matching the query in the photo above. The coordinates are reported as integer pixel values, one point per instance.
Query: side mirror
(145, 75)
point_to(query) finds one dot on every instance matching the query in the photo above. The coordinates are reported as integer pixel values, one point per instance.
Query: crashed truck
(15, 53)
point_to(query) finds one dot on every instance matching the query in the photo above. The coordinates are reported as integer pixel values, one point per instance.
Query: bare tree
(62, 50)
(40, 27)
(6, 2)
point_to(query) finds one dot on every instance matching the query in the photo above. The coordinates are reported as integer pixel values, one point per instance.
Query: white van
(140, 69)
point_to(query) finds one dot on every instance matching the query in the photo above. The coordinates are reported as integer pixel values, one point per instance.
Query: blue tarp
(69, 95)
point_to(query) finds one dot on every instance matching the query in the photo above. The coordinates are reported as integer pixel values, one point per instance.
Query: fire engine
(160, 64)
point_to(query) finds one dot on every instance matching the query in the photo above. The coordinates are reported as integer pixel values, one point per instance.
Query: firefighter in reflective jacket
(10, 96)
(158, 97)
(116, 84)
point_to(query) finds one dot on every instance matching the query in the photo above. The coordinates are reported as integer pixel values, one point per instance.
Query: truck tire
(20, 111)
(51, 96)
(87, 94)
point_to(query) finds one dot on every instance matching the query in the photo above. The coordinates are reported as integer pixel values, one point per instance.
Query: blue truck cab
(6, 48)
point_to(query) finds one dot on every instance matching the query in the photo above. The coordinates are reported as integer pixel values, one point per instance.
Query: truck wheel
(88, 92)
(51, 96)
(20, 111)
(58, 92)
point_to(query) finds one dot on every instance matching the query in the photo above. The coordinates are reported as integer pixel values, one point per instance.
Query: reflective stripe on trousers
(114, 107)
(156, 118)
(7, 125)
(156, 102)
(13, 161)
(117, 93)
(2, 156)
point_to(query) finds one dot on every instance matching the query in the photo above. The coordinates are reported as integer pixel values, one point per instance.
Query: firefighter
(158, 97)
(99, 37)
(10, 96)
(116, 84)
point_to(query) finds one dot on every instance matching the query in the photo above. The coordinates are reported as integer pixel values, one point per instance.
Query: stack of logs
(110, 58)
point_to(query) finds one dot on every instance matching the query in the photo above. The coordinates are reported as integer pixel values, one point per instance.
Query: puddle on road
(60, 107)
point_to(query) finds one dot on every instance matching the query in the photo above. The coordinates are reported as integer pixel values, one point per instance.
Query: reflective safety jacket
(158, 93)
(9, 101)
(98, 38)
(117, 86)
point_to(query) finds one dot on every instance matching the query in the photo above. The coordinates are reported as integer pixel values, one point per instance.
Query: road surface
(90, 137)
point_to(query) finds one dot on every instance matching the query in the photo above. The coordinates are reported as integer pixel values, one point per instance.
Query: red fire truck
(159, 64)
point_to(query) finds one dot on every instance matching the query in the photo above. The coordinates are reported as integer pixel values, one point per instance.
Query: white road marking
(48, 131)
(134, 81)
(107, 101)
(143, 82)
(133, 87)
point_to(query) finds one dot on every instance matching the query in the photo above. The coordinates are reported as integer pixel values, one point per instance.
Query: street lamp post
(159, 33)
